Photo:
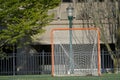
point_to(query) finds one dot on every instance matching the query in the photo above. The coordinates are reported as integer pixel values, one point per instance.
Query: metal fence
(107, 63)
(26, 64)
(41, 64)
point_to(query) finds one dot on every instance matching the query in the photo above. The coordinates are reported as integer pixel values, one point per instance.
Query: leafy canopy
(21, 19)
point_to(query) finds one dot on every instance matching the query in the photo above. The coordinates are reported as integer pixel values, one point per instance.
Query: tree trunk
(115, 65)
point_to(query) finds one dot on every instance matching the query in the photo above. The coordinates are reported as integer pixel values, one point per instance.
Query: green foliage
(21, 19)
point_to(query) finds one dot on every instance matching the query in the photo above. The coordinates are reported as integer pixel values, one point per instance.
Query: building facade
(86, 14)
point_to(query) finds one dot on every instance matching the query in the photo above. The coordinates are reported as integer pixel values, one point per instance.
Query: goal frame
(52, 46)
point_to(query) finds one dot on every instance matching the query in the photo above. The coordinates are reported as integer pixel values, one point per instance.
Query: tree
(98, 12)
(21, 19)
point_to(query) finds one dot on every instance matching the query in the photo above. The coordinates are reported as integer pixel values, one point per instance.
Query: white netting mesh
(82, 59)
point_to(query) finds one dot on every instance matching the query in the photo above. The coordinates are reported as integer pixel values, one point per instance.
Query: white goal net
(75, 52)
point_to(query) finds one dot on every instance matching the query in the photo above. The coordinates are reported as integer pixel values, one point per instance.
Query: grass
(48, 77)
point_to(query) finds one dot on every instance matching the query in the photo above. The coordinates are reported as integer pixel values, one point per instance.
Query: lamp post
(70, 18)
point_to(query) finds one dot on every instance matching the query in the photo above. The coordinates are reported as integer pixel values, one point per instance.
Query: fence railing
(41, 64)
(107, 64)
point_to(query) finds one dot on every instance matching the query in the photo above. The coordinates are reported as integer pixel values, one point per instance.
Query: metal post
(43, 66)
(13, 60)
(103, 53)
(70, 18)
(70, 46)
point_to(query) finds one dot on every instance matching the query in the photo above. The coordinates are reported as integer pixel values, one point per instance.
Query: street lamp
(70, 10)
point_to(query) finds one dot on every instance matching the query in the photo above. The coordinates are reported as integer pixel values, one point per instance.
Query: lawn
(48, 77)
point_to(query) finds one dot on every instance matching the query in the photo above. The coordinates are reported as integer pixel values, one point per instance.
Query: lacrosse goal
(75, 52)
